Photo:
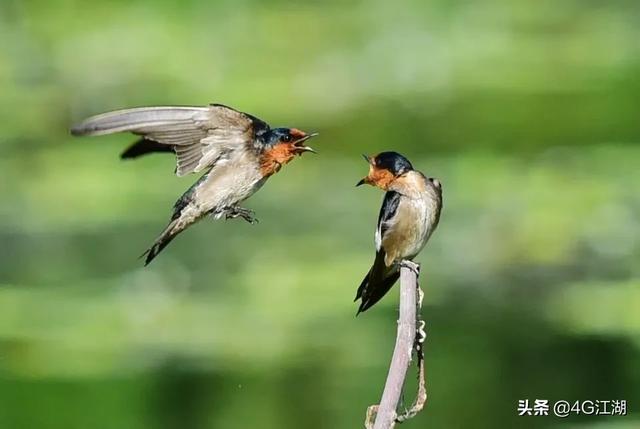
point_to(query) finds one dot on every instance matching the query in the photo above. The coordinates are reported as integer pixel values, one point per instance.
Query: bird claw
(411, 265)
(246, 214)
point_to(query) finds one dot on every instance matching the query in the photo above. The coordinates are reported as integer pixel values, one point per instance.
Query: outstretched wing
(200, 136)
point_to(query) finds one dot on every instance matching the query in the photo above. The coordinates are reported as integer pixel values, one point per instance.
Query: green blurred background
(527, 111)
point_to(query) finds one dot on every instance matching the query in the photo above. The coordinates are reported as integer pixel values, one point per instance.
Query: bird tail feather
(169, 233)
(376, 283)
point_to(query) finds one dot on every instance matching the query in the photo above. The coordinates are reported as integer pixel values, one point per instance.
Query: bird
(409, 214)
(236, 153)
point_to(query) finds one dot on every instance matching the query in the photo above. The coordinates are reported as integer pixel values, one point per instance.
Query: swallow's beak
(300, 147)
(366, 180)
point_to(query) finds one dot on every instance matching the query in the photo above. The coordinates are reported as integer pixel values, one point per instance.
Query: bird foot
(246, 214)
(411, 265)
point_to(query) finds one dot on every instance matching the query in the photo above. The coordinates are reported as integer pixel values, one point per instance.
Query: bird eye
(286, 138)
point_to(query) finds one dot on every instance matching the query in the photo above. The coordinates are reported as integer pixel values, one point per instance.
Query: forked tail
(376, 283)
(169, 233)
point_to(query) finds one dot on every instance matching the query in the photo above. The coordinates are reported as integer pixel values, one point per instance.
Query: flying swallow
(409, 214)
(236, 151)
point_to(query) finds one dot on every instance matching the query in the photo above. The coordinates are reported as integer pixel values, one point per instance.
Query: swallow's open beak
(365, 179)
(300, 147)
(367, 158)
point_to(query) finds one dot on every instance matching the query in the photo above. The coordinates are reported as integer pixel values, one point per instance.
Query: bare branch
(410, 337)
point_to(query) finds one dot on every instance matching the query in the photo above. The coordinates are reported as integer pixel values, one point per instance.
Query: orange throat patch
(273, 159)
(380, 177)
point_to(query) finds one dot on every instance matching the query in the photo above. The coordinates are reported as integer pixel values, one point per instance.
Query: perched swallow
(409, 214)
(236, 151)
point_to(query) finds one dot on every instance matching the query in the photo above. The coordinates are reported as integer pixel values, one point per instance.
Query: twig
(410, 337)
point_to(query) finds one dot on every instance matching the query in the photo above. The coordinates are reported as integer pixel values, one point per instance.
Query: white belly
(425, 212)
(414, 221)
(228, 184)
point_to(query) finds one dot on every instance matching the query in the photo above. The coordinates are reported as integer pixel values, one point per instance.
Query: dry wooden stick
(410, 337)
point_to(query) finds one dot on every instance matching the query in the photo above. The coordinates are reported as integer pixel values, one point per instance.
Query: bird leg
(233, 212)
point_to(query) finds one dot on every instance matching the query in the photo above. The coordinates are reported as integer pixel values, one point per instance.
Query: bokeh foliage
(526, 111)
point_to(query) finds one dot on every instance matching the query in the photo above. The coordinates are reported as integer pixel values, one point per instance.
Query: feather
(387, 212)
(137, 118)
(200, 136)
(376, 283)
(143, 147)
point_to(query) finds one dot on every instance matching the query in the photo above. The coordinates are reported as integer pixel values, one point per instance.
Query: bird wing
(200, 136)
(387, 212)
(380, 277)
